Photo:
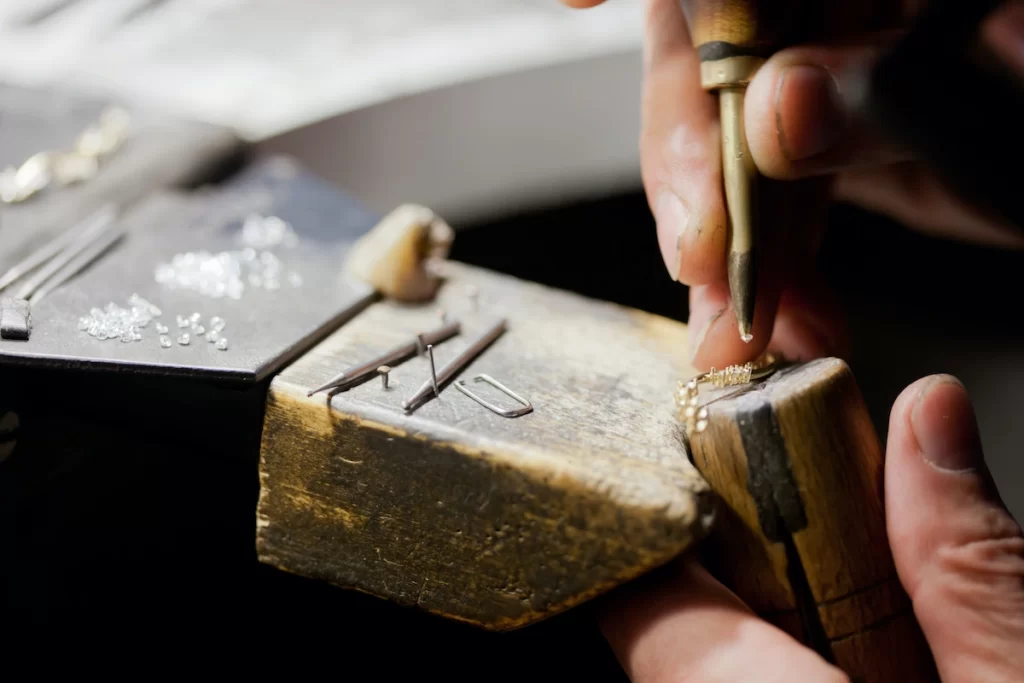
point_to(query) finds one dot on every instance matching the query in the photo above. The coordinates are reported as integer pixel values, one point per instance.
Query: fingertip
(715, 339)
(795, 117)
(958, 551)
(703, 247)
(899, 415)
(928, 408)
(688, 626)
(798, 124)
(681, 165)
(809, 324)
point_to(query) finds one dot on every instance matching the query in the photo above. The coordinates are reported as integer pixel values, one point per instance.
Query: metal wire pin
(383, 371)
(433, 369)
(457, 364)
(527, 406)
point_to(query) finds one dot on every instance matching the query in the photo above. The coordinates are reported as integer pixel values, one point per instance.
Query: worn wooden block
(493, 521)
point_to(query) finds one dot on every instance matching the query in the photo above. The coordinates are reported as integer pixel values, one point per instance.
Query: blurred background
(513, 119)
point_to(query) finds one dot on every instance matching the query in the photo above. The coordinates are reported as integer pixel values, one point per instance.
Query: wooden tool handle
(736, 36)
(801, 532)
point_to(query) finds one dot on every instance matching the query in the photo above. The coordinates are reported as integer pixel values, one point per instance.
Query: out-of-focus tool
(57, 262)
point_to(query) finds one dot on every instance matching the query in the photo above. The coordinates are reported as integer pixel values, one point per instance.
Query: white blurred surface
(265, 66)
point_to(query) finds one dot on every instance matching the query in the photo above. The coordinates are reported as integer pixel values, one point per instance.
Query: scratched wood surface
(493, 521)
(800, 534)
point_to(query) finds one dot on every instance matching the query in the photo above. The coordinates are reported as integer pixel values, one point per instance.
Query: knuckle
(983, 574)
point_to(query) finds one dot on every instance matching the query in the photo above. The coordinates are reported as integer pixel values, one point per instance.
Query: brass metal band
(729, 72)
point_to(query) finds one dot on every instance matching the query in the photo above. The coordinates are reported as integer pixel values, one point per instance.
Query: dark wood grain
(493, 521)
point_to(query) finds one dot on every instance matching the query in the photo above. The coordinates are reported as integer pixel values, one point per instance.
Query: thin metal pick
(82, 233)
(390, 358)
(459, 362)
(527, 406)
(433, 369)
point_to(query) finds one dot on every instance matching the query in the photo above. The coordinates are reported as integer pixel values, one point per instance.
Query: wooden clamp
(801, 533)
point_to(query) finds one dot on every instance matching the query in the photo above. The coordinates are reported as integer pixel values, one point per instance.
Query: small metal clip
(527, 407)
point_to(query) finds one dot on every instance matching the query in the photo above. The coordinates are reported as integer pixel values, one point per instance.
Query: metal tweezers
(53, 264)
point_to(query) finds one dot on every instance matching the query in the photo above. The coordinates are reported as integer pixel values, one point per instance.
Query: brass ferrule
(730, 72)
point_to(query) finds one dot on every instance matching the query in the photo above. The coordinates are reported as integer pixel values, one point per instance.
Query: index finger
(690, 627)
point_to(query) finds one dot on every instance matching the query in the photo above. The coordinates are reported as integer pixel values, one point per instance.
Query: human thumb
(958, 551)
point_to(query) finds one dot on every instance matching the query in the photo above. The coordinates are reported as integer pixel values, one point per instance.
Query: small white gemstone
(161, 329)
(222, 344)
(183, 339)
(165, 341)
(198, 330)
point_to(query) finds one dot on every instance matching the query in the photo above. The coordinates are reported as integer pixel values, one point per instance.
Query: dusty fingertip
(671, 218)
(700, 332)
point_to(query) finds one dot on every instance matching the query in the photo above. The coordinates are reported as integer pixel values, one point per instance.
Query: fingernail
(808, 113)
(697, 340)
(671, 218)
(945, 426)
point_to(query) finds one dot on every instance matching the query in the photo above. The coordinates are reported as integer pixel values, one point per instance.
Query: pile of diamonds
(126, 324)
(114, 322)
(229, 273)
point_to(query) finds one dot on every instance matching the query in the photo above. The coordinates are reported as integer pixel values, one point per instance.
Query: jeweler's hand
(958, 552)
(798, 136)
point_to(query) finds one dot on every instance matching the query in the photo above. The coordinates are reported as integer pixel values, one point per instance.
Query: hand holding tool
(733, 38)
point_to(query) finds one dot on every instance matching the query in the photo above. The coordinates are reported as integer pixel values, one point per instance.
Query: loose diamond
(161, 329)
(264, 232)
(222, 344)
(115, 322)
(183, 339)
(165, 341)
